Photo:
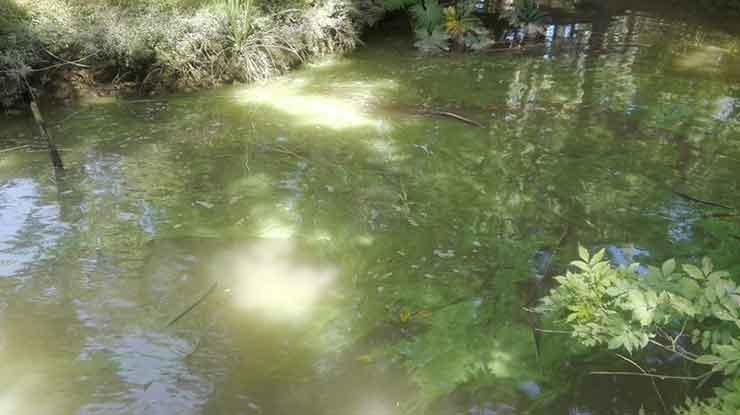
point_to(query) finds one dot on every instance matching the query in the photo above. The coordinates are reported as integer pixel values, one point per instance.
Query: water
(368, 258)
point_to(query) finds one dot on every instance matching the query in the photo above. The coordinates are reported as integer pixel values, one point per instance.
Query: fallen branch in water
(651, 375)
(192, 306)
(56, 160)
(704, 202)
(454, 116)
(6, 150)
(722, 215)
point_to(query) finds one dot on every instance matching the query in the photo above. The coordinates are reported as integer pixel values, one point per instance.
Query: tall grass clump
(144, 46)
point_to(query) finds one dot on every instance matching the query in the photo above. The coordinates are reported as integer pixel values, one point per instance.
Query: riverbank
(66, 49)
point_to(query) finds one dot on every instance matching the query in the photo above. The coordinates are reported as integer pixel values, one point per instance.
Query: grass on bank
(167, 44)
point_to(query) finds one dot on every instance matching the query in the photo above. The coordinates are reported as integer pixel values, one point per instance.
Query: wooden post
(56, 160)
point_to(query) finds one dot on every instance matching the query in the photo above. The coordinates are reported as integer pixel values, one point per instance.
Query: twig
(454, 116)
(704, 202)
(686, 355)
(56, 159)
(720, 215)
(74, 63)
(652, 380)
(6, 150)
(650, 375)
(196, 348)
(281, 149)
(192, 306)
(551, 331)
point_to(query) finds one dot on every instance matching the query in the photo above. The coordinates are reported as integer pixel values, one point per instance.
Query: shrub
(621, 309)
(171, 43)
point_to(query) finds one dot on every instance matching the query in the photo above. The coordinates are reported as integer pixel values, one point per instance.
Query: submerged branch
(6, 150)
(56, 159)
(650, 375)
(192, 306)
(704, 202)
(453, 116)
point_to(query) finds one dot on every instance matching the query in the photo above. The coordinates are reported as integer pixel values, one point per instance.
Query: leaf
(581, 265)
(689, 288)
(616, 343)
(731, 368)
(427, 15)
(683, 305)
(707, 265)
(668, 267)
(693, 271)
(204, 204)
(718, 275)
(708, 359)
(723, 315)
(436, 41)
(583, 253)
(597, 257)
(640, 308)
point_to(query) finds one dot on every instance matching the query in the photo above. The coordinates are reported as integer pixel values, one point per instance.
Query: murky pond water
(354, 253)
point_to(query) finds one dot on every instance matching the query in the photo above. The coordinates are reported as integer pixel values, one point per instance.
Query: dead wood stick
(56, 160)
(704, 202)
(649, 375)
(6, 150)
(192, 306)
(721, 215)
(454, 116)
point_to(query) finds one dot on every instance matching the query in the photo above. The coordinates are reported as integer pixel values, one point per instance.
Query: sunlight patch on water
(12, 400)
(702, 59)
(313, 108)
(22, 383)
(276, 278)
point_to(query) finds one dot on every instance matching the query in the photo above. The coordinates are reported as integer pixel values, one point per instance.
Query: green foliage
(436, 41)
(464, 27)
(726, 401)
(395, 5)
(166, 44)
(10, 15)
(427, 15)
(523, 13)
(239, 21)
(622, 309)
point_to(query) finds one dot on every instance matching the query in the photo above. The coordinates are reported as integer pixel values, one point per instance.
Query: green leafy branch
(621, 309)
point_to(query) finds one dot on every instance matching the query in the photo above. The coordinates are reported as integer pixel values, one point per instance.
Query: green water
(369, 258)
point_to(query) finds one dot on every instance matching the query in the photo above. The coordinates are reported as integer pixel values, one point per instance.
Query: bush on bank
(145, 46)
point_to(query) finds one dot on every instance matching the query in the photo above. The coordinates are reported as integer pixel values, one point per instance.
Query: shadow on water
(368, 260)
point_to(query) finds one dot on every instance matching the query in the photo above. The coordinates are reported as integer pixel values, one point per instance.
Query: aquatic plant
(693, 313)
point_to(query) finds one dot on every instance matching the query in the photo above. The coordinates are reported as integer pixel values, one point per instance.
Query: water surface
(368, 257)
